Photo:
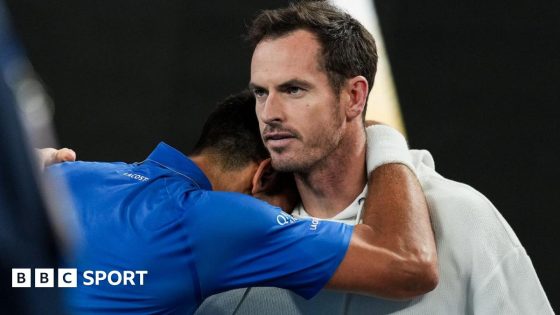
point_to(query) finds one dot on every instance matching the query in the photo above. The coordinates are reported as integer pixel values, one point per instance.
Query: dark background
(477, 82)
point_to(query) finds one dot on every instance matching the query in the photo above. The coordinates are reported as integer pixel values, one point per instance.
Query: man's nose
(273, 109)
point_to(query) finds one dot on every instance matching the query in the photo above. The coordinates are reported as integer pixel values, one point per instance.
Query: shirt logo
(136, 177)
(314, 223)
(284, 218)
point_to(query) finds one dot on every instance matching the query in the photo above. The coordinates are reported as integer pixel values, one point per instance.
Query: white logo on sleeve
(284, 218)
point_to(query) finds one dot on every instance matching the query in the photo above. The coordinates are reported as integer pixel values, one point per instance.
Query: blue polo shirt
(161, 216)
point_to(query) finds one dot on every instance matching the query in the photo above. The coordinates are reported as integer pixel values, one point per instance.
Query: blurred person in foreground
(312, 68)
(167, 217)
(28, 233)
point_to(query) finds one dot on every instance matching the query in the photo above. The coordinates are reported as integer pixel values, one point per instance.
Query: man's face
(300, 117)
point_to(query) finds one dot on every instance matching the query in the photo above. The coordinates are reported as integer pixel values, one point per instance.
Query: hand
(48, 156)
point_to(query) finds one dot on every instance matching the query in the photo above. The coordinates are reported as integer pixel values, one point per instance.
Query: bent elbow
(428, 277)
(422, 276)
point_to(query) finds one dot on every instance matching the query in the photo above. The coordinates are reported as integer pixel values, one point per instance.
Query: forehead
(293, 56)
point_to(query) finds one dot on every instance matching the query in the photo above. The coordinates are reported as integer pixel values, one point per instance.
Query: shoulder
(445, 191)
(462, 210)
(234, 208)
(81, 167)
(446, 194)
(231, 200)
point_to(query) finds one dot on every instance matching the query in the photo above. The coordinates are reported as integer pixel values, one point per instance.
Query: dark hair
(231, 133)
(348, 49)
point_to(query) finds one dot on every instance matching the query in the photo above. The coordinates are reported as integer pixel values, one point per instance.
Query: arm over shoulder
(240, 241)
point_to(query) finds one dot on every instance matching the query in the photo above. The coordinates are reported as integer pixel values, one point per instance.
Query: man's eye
(294, 90)
(259, 92)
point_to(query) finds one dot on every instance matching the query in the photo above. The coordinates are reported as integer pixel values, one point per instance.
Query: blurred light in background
(383, 103)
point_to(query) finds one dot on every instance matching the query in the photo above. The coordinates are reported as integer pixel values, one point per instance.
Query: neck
(236, 180)
(333, 183)
(208, 168)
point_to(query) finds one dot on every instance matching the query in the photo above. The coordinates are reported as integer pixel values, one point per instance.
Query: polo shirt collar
(170, 158)
(351, 215)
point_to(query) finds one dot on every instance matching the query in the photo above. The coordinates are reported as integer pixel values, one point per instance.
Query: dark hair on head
(231, 133)
(348, 49)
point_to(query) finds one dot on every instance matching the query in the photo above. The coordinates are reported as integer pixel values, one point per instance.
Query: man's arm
(393, 254)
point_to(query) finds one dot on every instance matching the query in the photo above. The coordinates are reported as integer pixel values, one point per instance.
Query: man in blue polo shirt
(162, 220)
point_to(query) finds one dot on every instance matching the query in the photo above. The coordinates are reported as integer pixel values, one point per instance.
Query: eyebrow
(253, 86)
(302, 83)
(289, 83)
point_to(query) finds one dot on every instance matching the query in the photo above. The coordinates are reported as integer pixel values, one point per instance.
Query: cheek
(321, 118)
(258, 115)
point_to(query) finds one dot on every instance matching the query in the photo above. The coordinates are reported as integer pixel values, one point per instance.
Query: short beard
(328, 143)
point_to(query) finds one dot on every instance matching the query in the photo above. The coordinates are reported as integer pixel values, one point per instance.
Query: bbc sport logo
(68, 277)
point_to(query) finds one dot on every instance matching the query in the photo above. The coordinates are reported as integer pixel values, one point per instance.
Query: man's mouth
(277, 136)
(277, 139)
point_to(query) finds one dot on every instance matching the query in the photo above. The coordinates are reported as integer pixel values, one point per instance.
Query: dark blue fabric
(162, 216)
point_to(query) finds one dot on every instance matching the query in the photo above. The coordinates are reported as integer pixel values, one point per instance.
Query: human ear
(357, 90)
(276, 188)
(264, 177)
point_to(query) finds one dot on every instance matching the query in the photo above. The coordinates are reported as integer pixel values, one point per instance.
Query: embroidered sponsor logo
(136, 177)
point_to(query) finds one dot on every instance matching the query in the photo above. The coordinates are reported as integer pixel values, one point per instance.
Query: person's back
(128, 225)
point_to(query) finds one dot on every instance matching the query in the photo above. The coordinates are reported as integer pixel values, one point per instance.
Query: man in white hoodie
(312, 69)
